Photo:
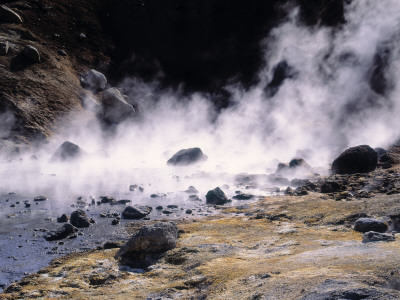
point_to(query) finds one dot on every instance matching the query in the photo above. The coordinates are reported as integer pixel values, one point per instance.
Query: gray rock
(360, 159)
(186, 157)
(32, 54)
(372, 236)
(4, 47)
(216, 196)
(80, 219)
(370, 224)
(136, 212)
(107, 199)
(243, 196)
(115, 108)
(96, 80)
(63, 218)
(156, 238)
(65, 231)
(40, 198)
(7, 15)
(67, 151)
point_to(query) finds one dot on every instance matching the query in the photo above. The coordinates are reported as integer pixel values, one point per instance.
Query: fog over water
(321, 90)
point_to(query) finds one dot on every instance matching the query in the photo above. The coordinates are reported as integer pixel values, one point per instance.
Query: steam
(329, 101)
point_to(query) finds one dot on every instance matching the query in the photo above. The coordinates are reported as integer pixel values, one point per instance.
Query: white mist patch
(326, 105)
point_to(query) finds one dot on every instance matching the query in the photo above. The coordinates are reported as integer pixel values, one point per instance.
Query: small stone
(63, 218)
(40, 198)
(115, 222)
(32, 54)
(159, 207)
(62, 52)
(370, 224)
(189, 211)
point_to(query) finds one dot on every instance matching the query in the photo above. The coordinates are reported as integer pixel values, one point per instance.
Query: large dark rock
(80, 219)
(360, 159)
(67, 151)
(115, 107)
(32, 54)
(388, 160)
(186, 157)
(370, 224)
(216, 196)
(149, 244)
(61, 233)
(136, 212)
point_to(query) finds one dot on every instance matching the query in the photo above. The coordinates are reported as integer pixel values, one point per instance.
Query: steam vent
(200, 149)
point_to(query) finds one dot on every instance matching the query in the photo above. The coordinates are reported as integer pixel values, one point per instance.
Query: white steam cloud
(326, 105)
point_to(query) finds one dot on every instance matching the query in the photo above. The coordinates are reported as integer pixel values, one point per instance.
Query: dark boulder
(298, 162)
(32, 54)
(136, 212)
(359, 159)
(67, 151)
(149, 244)
(372, 236)
(65, 231)
(370, 224)
(243, 196)
(380, 151)
(331, 187)
(80, 219)
(216, 196)
(186, 157)
(107, 199)
(294, 165)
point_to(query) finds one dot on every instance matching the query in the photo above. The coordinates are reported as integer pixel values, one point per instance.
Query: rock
(115, 222)
(40, 198)
(294, 164)
(388, 160)
(189, 211)
(65, 231)
(242, 196)
(370, 224)
(186, 157)
(115, 108)
(32, 54)
(62, 52)
(194, 198)
(96, 80)
(134, 187)
(80, 219)
(191, 190)
(372, 236)
(380, 151)
(298, 163)
(107, 199)
(149, 243)
(112, 245)
(216, 196)
(121, 202)
(360, 159)
(63, 218)
(136, 212)
(7, 15)
(67, 151)
(4, 47)
(330, 187)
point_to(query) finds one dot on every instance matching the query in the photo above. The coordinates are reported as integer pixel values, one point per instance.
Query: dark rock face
(388, 160)
(186, 157)
(136, 212)
(360, 159)
(67, 151)
(372, 236)
(61, 233)
(149, 244)
(216, 196)
(380, 151)
(80, 219)
(370, 224)
(330, 187)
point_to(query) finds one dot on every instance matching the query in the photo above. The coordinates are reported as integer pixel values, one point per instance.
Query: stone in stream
(107, 199)
(370, 224)
(80, 219)
(359, 159)
(149, 244)
(372, 236)
(40, 198)
(7, 15)
(186, 157)
(136, 212)
(216, 196)
(65, 231)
